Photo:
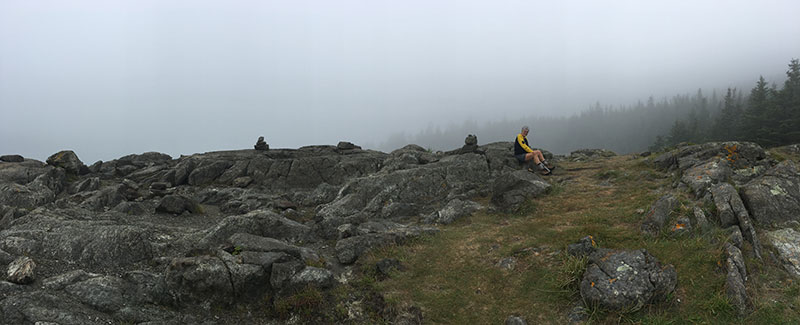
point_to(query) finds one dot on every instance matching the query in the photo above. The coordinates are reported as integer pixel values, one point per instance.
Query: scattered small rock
(682, 227)
(583, 247)
(508, 263)
(515, 320)
(21, 271)
(700, 217)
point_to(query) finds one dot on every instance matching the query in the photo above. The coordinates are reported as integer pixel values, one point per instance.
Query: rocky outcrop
(704, 165)
(626, 280)
(148, 238)
(774, 198)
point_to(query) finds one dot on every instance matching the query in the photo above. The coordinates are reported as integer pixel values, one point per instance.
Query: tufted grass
(452, 276)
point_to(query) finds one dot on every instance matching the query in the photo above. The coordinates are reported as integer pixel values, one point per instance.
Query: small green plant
(237, 250)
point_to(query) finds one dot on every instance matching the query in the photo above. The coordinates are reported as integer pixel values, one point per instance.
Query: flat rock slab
(775, 197)
(787, 243)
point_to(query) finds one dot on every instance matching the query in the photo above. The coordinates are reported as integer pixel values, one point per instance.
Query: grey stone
(658, 214)
(312, 276)
(344, 145)
(106, 293)
(243, 181)
(386, 266)
(61, 281)
(89, 184)
(626, 280)
(193, 280)
(735, 237)
(261, 145)
(177, 204)
(774, 198)
(700, 218)
(249, 242)
(260, 223)
(512, 189)
(515, 320)
(207, 172)
(508, 263)
(787, 244)
(283, 272)
(455, 209)
(349, 249)
(584, 247)
(700, 178)
(735, 281)
(68, 160)
(728, 204)
(21, 271)
(12, 158)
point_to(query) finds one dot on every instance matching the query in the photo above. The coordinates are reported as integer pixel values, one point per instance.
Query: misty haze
(107, 79)
(399, 162)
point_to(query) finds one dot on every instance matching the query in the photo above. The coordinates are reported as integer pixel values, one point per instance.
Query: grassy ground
(452, 276)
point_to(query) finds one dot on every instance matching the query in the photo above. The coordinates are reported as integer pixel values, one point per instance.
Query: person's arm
(521, 141)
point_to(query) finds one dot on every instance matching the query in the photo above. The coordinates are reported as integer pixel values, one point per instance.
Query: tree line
(768, 116)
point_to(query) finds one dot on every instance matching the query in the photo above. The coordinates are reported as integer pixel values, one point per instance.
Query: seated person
(524, 153)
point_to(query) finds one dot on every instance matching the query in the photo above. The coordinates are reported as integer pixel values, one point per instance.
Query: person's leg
(533, 156)
(539, 156)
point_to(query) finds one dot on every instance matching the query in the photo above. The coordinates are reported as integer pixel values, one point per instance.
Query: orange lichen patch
(719, 263)
(592, 239)
(611, 280)
(699, 176)
(592, 284)
(679, 226)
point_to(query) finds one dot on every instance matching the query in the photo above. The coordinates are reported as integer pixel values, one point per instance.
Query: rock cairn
(261, 144)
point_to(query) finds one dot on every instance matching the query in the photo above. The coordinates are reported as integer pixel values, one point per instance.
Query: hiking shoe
(545, 172)
(550, 167)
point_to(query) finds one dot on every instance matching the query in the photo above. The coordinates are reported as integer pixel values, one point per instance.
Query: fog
(110, 78)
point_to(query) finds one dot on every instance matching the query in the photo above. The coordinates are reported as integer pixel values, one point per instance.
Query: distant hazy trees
(767, 115)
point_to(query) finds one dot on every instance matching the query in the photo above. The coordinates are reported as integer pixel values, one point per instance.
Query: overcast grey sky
(110, 78)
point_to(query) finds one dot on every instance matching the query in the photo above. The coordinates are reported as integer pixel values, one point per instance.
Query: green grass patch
(453, 276)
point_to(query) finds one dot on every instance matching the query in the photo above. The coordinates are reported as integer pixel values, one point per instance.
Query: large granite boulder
(68, 160)
(626, 280)
(510, 190)
(774, 198)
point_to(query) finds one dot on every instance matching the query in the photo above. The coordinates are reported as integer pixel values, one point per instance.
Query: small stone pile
(261, 144)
